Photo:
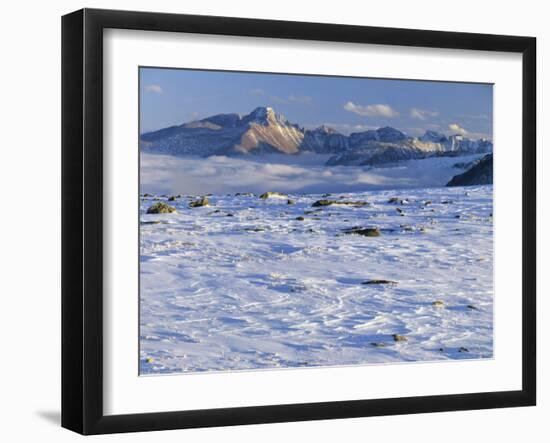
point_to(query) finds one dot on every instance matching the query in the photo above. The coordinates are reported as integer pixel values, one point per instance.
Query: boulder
(399, 338)
(161, 208)
(319, 203)
(271, 194)
(379, 282)
(200, 202)
(366, 232)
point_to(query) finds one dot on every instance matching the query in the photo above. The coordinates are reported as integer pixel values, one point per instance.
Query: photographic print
(294, 221)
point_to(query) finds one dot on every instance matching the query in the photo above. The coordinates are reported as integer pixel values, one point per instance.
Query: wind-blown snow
(261, 289)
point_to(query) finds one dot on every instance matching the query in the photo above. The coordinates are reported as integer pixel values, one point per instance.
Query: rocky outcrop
(481, 173)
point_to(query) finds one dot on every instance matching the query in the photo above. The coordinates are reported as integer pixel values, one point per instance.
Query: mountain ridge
(265, 131)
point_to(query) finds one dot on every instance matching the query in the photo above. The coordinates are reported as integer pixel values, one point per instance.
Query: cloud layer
(305, 173)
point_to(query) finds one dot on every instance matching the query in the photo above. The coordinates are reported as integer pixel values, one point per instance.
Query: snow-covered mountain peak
(433, 137)
(389, 134)
(325, 130)
(265, 115)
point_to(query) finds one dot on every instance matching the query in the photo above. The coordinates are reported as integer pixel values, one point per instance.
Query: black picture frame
(82, 218)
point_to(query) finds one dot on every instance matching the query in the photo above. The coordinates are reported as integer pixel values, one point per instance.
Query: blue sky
(174, 96)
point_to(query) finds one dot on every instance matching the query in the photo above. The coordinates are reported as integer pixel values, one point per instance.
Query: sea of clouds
(305, 173)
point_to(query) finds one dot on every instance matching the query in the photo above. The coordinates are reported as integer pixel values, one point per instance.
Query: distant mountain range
(265, 131)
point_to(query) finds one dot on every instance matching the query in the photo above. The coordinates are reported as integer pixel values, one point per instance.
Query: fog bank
(164, 174)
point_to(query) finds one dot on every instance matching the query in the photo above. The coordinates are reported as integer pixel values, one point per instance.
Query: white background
(30, 221)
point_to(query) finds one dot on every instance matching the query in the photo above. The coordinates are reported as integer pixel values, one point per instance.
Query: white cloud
(257, 91)
(153, 88)
(457, 129)
(379, 110)
(422, 114)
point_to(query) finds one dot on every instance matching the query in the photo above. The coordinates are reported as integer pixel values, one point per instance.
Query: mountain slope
(481, 173)
(324, 140)
(267, 131)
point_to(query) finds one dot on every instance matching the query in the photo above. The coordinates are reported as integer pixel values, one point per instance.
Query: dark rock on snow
(379, 282)
(161, 208)
(367, 232)
(269, 194)
(338, 202)
(398, 337)
(200, 202)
